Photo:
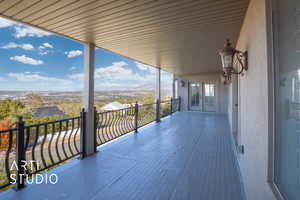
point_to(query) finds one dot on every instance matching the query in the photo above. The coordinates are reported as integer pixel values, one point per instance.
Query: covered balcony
(188, 155)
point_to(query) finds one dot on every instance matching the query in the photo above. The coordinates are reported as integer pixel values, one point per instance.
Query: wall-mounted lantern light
(182, 83)
(232, 59)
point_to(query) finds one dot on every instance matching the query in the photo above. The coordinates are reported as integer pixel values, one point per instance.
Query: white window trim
(271, 15)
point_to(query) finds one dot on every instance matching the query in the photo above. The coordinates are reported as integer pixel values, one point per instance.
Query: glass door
(195, 96)
(210, 103)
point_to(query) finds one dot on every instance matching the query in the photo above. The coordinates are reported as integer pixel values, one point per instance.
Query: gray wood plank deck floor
(186, 156)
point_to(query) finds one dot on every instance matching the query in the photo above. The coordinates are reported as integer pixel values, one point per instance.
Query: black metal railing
(113, 124)
(175, 105)
(40, 146)
(146, 114)
(165, 108)
(49, 144)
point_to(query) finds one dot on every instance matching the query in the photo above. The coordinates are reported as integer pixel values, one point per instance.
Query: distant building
(114, 106)
(48, 112)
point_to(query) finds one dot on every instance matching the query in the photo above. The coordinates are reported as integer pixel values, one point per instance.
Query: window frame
(272, 59)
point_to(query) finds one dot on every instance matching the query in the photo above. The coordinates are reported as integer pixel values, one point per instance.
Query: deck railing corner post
(82, 134)
(20, 153)
(136, 116)
(179, 104)
(95, 128)
(157, 110)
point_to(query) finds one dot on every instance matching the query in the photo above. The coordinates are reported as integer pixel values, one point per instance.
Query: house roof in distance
(49, 111)
(114, 106)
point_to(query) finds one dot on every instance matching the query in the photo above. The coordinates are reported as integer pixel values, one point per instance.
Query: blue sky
(34, 60)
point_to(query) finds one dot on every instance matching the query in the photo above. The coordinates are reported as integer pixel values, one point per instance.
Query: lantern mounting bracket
(242, 61)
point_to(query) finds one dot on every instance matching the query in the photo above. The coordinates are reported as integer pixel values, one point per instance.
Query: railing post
(82, 134)
(136, 116)
(179, 104)
(20, 154)
(157, 110)
(171, 106)
(95, 131)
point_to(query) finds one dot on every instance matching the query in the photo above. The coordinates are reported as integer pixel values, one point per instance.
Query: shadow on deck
(188, 155)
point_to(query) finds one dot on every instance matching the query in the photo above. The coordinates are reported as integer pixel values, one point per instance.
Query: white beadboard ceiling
(180, 36)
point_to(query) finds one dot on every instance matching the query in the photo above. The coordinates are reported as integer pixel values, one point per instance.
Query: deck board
(186, 156)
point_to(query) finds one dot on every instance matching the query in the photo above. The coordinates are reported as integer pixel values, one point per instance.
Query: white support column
(88, 97)
(158, 93)
(158, 84)
(173, 87)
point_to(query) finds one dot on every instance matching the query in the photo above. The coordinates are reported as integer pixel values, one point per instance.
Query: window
(287, 98)
(209, 90)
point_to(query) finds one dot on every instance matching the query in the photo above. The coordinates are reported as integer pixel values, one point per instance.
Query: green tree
(11, 108)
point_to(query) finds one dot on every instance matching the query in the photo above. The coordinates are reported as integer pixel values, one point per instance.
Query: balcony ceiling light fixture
(232, 60)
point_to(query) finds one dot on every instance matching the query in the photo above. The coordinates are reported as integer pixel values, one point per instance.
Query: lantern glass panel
(227, 61)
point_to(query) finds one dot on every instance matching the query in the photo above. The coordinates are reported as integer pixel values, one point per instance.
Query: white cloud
(73, 53)
(117, 71)
(46, 45)
(13, 45)
(72, 68)
(26, 31)
(35, 77)
(26, 60)
(6, 23)
(44, 53)
(120, 76)
(145, 67)
(109, 86)
(77, 76)
(43, 48)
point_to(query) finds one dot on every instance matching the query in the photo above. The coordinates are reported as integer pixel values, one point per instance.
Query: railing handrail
(148, 104)
(8, 130)
(52, 122)
(131, 107)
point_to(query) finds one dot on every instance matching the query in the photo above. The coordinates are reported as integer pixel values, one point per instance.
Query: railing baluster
(70, 135)
(100, 128)
(57, 140)
(42, 146)
(63, 140)
(34, 145)
(110, 120)
(105, 135)
(50, 143)
(75, 135)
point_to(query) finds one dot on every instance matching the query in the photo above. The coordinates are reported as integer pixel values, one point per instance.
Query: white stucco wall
(253, 104)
